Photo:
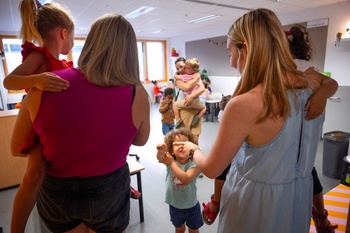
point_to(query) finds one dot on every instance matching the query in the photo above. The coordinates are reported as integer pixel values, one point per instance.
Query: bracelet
(192, 152)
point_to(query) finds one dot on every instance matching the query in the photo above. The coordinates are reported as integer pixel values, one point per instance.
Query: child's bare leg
(27, 193)
(218, 184)
(181, 229)
(202, 112)
(193, 231)
(318, 204)
(176, 113)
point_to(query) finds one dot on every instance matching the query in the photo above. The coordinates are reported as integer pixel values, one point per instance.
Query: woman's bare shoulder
(251, 100)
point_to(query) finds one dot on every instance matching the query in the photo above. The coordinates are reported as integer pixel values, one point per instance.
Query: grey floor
(155, 210)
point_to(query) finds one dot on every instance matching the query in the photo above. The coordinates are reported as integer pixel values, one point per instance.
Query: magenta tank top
(86, 130)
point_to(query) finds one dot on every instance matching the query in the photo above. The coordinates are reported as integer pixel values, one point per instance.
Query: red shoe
(134, 194)
(328, 229)
(208, 215)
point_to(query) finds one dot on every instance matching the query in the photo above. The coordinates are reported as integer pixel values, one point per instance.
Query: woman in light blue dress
(264, 134)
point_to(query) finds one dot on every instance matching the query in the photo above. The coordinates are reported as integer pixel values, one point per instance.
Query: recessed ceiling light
(209, 17)
(158, 31)
(139, 11)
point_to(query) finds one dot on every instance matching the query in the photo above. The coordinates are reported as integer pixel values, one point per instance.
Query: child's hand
(161, 152)
(315, 105)
(188, 100)
(50, 82)
(168, 159)
(169, 101)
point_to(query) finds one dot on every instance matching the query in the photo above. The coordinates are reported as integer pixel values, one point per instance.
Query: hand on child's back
(50, 82)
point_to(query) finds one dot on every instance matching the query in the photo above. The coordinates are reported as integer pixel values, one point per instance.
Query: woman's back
(98, 121)
(264, 178)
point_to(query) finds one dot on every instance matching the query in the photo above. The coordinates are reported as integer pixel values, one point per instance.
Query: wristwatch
(192, 152)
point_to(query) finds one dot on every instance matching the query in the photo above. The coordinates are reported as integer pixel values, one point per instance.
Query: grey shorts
(102, 203)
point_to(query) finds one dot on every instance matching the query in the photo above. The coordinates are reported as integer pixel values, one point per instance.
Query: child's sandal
(134, 194)
(178, 124)
(208, 215)
(328, 229)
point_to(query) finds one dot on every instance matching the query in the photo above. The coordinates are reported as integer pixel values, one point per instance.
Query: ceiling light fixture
(158, 31)
(209, 17)
(139, 11)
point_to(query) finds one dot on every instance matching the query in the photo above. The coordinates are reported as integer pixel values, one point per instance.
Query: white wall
(337, 59)
(223, 84)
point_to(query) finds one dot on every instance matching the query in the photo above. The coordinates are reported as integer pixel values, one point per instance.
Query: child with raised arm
(301, 49)
(52, 28)
(191, 67)
(181, 190)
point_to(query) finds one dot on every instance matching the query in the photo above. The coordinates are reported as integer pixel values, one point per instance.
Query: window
(152, 60)
(75, 52)
(12, 49)
(151, 54)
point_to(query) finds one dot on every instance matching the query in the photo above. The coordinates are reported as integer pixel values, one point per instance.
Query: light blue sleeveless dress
(269, 188)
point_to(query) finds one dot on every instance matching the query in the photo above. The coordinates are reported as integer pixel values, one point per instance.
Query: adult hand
(50, 82)
(186, 146)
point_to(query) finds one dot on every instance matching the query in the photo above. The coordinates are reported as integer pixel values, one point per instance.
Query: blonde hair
(193, 62)
(170, 137)
(109, 56)
(268, 62)
(38, 21)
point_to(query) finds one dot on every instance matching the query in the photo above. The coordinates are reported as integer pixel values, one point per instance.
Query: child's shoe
(134, 194)
(208, 215)
(178, 124)
(195, 120)
(328, 229)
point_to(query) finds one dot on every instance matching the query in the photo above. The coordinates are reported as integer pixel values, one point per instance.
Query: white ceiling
(170, 16)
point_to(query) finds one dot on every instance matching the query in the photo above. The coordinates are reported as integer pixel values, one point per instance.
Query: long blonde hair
(268, 62)
(38, 21)
(109, 56)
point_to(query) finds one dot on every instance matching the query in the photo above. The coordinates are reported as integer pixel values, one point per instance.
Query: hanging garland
(217, 43)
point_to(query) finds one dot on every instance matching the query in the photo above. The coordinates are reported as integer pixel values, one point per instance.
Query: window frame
(165, 55)
(70, 56)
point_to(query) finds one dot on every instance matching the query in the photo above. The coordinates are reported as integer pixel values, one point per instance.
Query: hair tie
(288, 33)
(38, 4)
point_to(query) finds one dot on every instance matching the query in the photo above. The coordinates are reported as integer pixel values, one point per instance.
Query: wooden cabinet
(11, 168)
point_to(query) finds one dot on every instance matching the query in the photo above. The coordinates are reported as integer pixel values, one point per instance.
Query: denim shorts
(166, 128)
(191, 216)
(102, 203)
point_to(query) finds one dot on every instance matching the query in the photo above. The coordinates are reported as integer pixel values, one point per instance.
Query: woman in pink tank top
(85, 136)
